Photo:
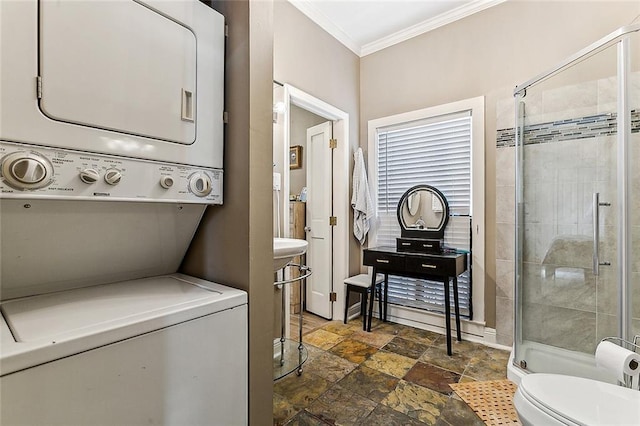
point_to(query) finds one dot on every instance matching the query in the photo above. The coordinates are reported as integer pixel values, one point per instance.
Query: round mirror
(423, 212)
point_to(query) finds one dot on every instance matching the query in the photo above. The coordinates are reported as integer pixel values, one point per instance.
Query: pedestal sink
(285, 249)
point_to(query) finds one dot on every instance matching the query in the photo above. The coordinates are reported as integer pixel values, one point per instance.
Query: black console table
(434, 267)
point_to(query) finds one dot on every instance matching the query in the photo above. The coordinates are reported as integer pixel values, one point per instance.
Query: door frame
(341, 204)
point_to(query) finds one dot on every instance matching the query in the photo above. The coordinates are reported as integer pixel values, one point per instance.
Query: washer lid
(582, 401)
(73, 313)
(43, 328)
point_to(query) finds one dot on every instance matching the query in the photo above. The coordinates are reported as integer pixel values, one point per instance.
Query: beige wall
(233, 245)
(311, 60)
(486, 54)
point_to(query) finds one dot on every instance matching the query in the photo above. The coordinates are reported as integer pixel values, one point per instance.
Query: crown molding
(428, 25)
(307, 8)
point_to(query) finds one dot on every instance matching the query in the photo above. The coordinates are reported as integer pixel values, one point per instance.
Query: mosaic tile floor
(395, 375)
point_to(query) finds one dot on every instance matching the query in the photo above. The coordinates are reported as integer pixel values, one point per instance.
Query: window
(436, 147)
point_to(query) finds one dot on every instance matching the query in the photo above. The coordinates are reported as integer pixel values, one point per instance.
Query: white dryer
(110, 152)
(141, 79)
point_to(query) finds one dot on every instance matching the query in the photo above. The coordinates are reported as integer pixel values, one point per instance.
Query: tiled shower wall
(570, 154)
(505, 244)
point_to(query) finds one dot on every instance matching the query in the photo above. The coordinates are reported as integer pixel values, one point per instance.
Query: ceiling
(366, 26)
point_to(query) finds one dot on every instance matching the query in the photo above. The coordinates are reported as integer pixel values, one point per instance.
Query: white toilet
(553, 399)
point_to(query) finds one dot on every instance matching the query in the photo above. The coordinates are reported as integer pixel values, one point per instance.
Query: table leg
(457, 308)
(447, 314)
(380, 311)
(373, 294)
(386, 296)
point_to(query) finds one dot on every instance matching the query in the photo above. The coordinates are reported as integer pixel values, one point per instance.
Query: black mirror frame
(424, 233)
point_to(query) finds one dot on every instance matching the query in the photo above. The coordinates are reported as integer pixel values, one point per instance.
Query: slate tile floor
(395, 375)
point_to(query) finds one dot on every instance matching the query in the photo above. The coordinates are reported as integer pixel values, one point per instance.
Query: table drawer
(431, 266)
(418, 245)
(383, 261)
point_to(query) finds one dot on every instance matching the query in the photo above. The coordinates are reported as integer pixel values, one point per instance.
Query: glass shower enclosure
(578, 207)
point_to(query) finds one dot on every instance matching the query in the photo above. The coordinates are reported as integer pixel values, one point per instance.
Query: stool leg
(373, 289)
(346, 304)
(363, 307)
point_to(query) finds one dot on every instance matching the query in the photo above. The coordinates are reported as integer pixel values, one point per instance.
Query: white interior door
(319, 207)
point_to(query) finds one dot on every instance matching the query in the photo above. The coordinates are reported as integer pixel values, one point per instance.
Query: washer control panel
(27, 171)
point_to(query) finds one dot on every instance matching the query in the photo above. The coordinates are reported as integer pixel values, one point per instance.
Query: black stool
(362, 284)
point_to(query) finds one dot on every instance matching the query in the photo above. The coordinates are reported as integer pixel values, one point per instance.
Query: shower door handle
(596, 233)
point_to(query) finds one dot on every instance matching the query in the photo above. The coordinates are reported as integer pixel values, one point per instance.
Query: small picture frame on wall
(295, 157)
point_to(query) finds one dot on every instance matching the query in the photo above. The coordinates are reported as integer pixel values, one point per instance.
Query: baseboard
(473, 331)
(491, 341)
(426, 320)
(353, 312)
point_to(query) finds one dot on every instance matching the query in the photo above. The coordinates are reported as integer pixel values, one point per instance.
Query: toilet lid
(582, 401)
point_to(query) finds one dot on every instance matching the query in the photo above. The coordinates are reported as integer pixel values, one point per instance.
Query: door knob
(307, 229)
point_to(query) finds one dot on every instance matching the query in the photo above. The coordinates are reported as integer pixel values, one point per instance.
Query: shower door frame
(621, 37)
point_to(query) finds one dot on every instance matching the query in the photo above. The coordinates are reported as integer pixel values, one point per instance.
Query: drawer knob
(427, 245)
(429, 266)
(382, 261)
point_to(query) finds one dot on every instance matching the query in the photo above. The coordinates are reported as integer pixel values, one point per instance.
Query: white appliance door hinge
(333, 143)
(39, 87)
(225, 117)
(226, 30)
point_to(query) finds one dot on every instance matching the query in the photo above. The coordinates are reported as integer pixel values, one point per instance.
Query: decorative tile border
(570, 129)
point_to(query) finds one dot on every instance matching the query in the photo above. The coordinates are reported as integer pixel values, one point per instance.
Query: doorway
(288, 101)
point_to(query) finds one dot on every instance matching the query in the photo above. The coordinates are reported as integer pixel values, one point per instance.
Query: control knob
(89, 176)
(166, 182)
(113, 176)
(200, 184)
(27, 170)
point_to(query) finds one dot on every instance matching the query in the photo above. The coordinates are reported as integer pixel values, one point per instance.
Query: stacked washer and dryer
(111, 139)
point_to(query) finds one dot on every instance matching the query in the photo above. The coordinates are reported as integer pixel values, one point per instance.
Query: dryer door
(118, 66)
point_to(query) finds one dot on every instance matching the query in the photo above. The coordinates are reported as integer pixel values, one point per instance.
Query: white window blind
(436, 152)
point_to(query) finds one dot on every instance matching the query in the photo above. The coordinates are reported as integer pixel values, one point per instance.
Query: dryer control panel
(27, 172)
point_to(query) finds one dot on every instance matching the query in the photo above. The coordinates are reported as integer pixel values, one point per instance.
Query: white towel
(361, 199)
